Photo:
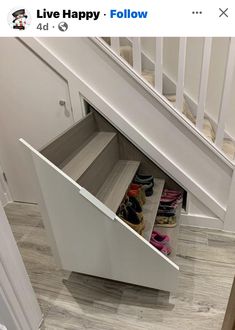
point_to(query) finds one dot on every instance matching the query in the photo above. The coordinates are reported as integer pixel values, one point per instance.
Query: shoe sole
(166, 225)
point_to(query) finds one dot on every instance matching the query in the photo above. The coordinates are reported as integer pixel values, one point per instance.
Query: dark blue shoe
(143, 179)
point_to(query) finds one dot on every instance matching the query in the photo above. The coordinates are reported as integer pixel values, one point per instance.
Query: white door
(30, 94)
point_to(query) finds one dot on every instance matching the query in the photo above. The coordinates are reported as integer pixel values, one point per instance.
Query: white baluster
(204, 82)
(137, 65)
(115, 44)
(159, 65)
(225, 100)
(181, 74)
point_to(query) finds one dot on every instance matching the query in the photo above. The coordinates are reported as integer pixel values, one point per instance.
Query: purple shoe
(160, 238)
(161, 247)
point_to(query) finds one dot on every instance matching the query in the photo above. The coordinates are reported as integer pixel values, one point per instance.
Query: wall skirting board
(201, 221)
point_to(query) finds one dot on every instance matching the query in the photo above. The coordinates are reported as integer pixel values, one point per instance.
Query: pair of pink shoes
(171, 196)
(160, 242)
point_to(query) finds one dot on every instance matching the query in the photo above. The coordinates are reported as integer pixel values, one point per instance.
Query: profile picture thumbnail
(19, 19)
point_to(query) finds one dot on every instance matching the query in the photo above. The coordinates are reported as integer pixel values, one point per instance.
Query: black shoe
(149, 192)
(134, 203)
(128, 213)
(148, 189)
(165, 213)
(143, 179)
(167, 208)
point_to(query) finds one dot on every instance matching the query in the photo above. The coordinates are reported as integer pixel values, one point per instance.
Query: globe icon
(63, 26)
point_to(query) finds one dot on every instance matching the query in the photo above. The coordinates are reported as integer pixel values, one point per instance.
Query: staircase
(129, 49)
(155, 113)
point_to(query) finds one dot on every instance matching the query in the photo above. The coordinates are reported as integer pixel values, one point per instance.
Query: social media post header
(117, 18)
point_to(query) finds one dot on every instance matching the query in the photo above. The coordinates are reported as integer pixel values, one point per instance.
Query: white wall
(30, 92)
(195, 207)
(193, 69)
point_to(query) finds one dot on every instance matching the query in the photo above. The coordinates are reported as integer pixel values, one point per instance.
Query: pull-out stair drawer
(83, 177)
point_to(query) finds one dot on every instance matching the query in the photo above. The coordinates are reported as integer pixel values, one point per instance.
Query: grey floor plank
(77, 301)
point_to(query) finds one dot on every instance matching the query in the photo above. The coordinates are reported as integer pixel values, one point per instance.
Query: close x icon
(223, 12)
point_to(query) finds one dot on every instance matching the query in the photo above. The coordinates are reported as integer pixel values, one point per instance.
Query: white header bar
(117, 18)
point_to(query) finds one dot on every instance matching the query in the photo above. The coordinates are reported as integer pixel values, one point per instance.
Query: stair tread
(151, 206)
(85, 157)
(113, 190)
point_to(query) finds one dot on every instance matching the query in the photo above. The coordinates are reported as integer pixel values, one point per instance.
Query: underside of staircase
(150, 121)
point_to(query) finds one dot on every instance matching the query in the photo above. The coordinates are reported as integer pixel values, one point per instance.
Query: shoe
(148, 188)
(163, 221)
(126, 212)
(136, 194)
(139, 187)
(143, 179)
(135, 205)
(138, 228)
(133, 202)
(139, 194)
(165, 213)
(168, 208)
(171, 197)
(160, 238)
(172, 192)
(129, 216)
(170, 200)
(161, 247)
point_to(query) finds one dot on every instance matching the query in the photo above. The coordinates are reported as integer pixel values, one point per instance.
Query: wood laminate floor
(73, 301)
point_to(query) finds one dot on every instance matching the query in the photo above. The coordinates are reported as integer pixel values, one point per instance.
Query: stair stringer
(89, 238)
(146, 119)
